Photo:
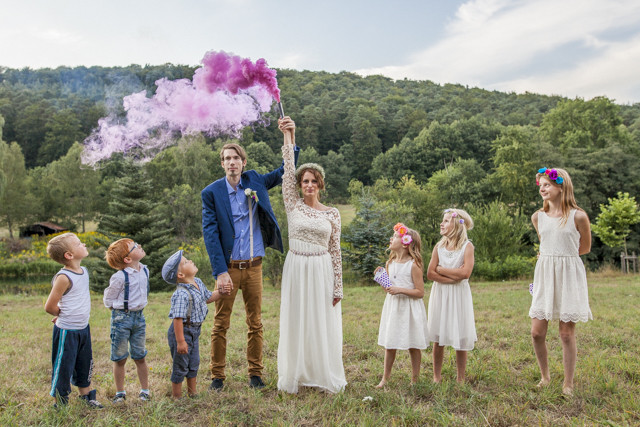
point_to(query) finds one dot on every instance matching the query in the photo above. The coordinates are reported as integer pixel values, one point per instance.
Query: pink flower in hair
(406, 239)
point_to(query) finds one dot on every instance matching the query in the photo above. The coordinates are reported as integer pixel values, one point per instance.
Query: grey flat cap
(170, 268)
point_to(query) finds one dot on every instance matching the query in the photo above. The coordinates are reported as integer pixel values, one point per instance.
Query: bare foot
(382, 384)
(567, 391)
(437, 380)
(543, 383)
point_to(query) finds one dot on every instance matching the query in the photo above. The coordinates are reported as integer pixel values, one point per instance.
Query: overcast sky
(581, 48)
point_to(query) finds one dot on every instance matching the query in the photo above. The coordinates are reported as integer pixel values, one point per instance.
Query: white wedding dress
(310, 347)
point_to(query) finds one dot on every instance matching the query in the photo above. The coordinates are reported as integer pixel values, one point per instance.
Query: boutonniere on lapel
(251, 193)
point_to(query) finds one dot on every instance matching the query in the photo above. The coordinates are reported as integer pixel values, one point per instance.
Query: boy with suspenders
(126, 296)
(188, 311)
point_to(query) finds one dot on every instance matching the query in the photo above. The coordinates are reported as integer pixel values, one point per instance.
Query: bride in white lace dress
(310, 347)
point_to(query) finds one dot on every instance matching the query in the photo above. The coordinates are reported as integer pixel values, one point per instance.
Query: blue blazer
(217, 221)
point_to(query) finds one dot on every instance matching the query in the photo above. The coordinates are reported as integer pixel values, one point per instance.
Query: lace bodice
(310, 225)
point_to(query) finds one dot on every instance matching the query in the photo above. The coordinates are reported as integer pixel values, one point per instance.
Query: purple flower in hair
(553, 174)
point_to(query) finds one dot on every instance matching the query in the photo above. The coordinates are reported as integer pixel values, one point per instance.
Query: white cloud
(293, 61)
(614, 74)
(52, 35)
(492, 43)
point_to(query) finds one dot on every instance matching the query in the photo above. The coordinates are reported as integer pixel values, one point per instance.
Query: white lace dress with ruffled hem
(560, 281)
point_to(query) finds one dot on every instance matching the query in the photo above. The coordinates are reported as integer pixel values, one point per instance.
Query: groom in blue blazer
(227, 226)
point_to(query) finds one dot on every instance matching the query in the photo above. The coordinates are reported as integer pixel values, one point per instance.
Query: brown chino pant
(250, 281)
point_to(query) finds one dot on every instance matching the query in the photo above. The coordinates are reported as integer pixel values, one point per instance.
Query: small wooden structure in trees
(41, 229)
(628, 263)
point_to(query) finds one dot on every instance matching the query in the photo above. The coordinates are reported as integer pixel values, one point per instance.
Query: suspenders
(188, 322)
(126, 288)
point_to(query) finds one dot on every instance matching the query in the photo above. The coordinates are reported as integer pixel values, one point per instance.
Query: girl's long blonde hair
(567, 198)
(458, 235)
(413, 247)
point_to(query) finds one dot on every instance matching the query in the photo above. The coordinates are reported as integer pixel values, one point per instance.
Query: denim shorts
(127, 328)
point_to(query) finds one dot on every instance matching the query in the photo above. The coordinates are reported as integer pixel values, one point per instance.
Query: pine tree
(132, 213)
(368, 237)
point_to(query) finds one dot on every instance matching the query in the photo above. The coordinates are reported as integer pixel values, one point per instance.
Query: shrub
(512, 267)
(37, 267)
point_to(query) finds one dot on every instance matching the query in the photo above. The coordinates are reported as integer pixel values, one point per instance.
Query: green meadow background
(502, 370)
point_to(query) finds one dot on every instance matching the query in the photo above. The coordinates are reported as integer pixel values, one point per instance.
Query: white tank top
(75, 305)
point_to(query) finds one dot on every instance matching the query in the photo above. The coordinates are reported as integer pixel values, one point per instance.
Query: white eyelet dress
(560, 280)
(451, 319)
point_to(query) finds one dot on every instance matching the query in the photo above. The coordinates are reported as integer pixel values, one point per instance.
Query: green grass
(502, 370)
(347, 214)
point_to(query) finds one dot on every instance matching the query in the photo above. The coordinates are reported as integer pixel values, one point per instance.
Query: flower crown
(454, 214)
(403, 231)
(313, 166)
(552, 174)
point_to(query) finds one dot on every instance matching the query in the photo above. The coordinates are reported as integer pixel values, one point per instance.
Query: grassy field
(502, 370)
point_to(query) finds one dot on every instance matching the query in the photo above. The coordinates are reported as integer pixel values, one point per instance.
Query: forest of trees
(403, 150)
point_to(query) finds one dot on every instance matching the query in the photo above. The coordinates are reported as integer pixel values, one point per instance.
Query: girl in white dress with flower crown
(310, 346)
(451, 320)
(560, 280)
(403, 324)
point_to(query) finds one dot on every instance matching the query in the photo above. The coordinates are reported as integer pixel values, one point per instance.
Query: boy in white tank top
(70, 304)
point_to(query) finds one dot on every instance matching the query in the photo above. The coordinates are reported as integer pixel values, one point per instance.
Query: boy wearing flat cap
(188, 311)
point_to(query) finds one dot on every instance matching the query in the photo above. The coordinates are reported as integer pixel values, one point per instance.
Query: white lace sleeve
(336, 254)
(289, 192)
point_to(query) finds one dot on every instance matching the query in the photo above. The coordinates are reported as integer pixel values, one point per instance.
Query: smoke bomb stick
(281, 110)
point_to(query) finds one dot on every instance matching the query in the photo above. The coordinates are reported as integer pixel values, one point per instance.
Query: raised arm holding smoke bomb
(288, 128)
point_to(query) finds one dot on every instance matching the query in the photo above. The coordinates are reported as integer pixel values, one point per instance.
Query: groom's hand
(224, 283)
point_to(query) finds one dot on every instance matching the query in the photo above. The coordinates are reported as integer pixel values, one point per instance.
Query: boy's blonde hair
(567, 198)
(413, 247)
(117, 252)
(58, 246)
(458, 235)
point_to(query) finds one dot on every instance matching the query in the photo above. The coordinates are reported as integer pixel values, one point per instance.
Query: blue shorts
(72, 360)
(127, 328)
(185, 365)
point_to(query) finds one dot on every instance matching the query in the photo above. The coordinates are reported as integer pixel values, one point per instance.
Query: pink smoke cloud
(227, 93)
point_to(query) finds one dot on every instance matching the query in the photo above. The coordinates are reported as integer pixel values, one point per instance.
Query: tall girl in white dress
(310, 347)
(560, 280)
(403, 324)
(451, 320)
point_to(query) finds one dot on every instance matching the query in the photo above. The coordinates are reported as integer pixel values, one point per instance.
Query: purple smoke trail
(227, 93)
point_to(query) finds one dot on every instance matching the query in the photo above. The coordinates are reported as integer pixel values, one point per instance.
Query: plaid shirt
(180, 302)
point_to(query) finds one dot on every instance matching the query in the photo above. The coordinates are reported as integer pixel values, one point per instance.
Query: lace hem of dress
(564, 317)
